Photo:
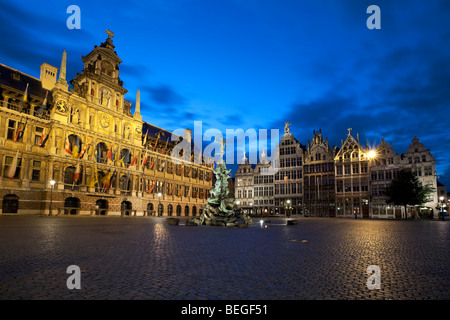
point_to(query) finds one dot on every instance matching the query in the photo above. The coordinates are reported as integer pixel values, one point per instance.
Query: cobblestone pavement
(145, 258)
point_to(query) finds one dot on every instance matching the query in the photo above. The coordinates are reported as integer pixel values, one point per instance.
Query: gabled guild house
(82, 151)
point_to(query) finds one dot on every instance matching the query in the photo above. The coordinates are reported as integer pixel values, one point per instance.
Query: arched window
(71, 181)
(101, 178)
(186, 211)
(125, 157)
(194, 211)
(101, 152)
(75, 144)
(178, 210)
(71, 205)
(160, 210)
(169, 210)
(150, 209)
(10, 203)
(125, 208)
(102, 207)
(124, 184)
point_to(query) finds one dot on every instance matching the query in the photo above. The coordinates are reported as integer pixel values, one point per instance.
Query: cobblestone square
(145, 258)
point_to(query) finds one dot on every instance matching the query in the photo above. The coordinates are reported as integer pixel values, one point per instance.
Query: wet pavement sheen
(145, 258)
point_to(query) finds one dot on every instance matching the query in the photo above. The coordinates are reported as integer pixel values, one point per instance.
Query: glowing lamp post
(159, 204)
(372, 154)
(52, 184)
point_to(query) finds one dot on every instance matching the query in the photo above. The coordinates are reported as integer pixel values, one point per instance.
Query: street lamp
(288, 208)
(372, 154)
(52, 183)
(441, 207)
(159, 204)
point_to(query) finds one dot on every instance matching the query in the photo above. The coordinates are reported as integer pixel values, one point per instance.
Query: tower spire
(62, 82)
(137, 109)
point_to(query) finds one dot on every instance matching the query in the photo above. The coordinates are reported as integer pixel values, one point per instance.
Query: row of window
(290, 162)
(319, 167)
(288, 175)
(348, 186)
(263, 179)
(354, 168)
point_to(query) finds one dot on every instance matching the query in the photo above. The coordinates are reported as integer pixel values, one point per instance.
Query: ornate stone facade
(104, 158)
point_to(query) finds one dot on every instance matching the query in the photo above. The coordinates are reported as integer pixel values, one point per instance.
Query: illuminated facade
(352, 179)
(318, 178)
(324, 181)
(104, 159)
(383, 169)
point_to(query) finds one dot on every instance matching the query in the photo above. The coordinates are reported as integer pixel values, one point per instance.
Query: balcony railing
(43, 115)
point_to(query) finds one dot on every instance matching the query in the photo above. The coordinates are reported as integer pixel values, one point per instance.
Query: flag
(133, 163)
(106, 181)
(42, 136)
(76, 176)
(45, 139)
(151, 186)
(96, 155)
(13, 167)
(113, 177)
(145, 139)
(110, 155)
(144, 160)
(181, 170)
(153, 163)
(189, 173)
(67, 146)
(156, 142)
(94, 180)
(83, 151)
(75, 148)
(170, 191)
(25, 99)
(19, 129)
(165, 148)
(41, 109)
(121, 163)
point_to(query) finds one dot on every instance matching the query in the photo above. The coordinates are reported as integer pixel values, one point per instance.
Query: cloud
(165, 95)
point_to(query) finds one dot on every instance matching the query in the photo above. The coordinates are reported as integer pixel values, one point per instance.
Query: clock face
(61, 106)
(104, 121)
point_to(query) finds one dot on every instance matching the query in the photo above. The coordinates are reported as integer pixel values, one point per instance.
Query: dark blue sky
(259, 63)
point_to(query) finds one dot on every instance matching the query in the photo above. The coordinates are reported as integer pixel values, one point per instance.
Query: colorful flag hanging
(76, 176)
(110, 155)
(156, 143)
(42, 135)
(106, 181)
(41, 109)
(145, 139)
(13, 167)
(83, 151)
(151, 186)
(67, 146)
(19, 129)
(75, 148)
(165, 148)
(24, 100)
(94, 180)
(133, 163)
(181, 170)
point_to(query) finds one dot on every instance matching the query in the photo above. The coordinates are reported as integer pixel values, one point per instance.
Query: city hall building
(83, 152)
